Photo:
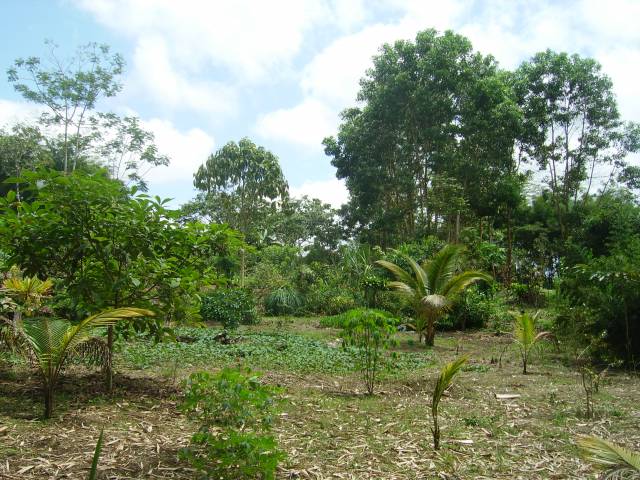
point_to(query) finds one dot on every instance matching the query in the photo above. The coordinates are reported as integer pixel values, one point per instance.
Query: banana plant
(526, 337)
(618, 461)
(51, 342)
(447, 374)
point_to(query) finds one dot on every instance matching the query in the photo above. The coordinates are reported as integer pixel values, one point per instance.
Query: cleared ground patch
(328, 426)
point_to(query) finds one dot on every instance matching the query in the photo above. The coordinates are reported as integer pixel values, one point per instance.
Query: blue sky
(203, 72)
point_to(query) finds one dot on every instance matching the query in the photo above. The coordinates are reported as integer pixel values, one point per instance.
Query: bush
(283, 301)
(235, 412)
(477, 309)
(341, 320)
(329, 300)
(369, 332)
(230, 307)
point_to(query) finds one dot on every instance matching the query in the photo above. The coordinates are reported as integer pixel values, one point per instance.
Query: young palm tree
(449, 371)
(52, 341)
(526, 337)
(432, 287)
(620, 462)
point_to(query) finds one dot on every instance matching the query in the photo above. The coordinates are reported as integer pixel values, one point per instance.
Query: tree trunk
(509, 249)
(48, 401)
(431, 333)
(109, 365)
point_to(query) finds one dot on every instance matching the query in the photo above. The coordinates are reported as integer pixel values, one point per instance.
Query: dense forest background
(531, 171)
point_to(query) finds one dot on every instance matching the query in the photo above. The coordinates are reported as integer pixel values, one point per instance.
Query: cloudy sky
(201, 73)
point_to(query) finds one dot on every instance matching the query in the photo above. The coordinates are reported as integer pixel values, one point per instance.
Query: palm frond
(81, 332)
(442, 267)
(398, 272)
(421, 281)
(93, 474)
(447, 374)
(402, 288)
(457, 284)
(525, 329)
(94, 351)
(609, 455)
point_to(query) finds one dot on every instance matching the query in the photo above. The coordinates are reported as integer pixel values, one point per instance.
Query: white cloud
(18, 112)
(333, 191)
(305, 124)
(154, 74)
(187, 150)
(250, 38)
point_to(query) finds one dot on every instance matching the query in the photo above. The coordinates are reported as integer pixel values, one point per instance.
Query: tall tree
(435, 115)
(240, 183)
(127, 150)
(572, 123)
(69, 88)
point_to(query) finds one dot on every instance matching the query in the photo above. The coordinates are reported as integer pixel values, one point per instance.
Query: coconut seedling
(447, 374)
(526, 337)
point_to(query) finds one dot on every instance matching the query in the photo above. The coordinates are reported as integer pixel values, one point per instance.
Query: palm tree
(51, 342)
(526, 337)
(432, 287)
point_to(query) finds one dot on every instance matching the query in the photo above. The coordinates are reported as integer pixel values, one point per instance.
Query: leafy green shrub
(235, 412)
(477, 309)
(369, 332)
(341, 320)
(330, 300)
(283, 301)
(529, 294)
(230, 307)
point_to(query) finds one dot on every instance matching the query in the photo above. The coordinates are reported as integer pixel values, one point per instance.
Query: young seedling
(370, 333)
(447, 374)
(526, 337)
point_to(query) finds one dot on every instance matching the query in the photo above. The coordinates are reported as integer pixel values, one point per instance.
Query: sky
(201, 73)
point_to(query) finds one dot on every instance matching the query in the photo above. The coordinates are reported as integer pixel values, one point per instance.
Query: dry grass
(329, 428)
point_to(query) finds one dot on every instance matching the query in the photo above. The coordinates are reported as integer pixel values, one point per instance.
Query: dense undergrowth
(270, 350)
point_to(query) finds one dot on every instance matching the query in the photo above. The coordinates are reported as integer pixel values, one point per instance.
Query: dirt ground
(328, 427)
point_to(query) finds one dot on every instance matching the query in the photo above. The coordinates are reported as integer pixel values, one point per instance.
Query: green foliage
(229, 306)
(617, 461)
(369, 333)
(430, 141)
(93, 473)
(447, 374)
(235, 412)
(69, 89)
(433, 287)
(283, 301)
(51, 342)
(283, 351)
(526, 337)
(240, 184)
(476, 308)
(342, 319)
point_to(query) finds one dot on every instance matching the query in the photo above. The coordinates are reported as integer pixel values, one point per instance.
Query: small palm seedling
(526, 337)
(447, 374)
(617, 461)
(51, 342)
(93, 473)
